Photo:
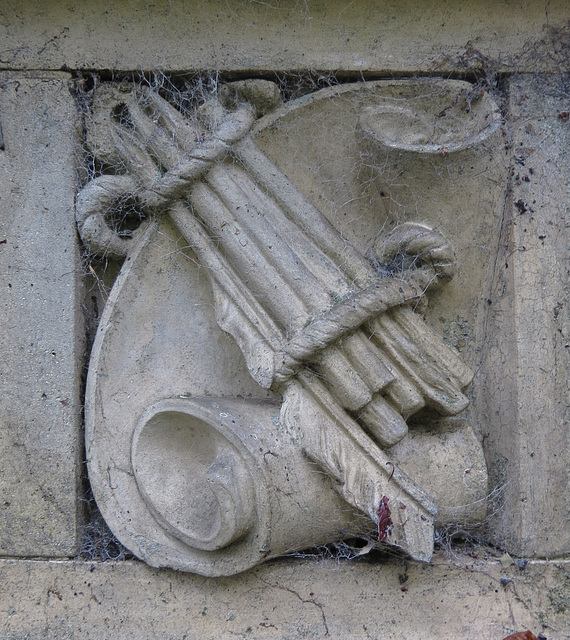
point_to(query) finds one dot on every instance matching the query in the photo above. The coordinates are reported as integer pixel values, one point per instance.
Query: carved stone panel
(280, 317)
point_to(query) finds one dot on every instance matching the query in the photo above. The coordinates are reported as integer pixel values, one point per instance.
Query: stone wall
(498, 568)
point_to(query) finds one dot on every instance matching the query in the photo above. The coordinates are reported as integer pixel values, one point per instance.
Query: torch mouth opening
(193, 479)
(427, 130)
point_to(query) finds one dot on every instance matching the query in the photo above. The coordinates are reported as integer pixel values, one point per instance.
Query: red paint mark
(385, 524)
(522, 635)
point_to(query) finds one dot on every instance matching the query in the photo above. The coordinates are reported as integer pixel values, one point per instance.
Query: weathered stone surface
(361, 37)
(307, 246)
(289, 599)
(508, 318)
(40, 340)
(527, 363)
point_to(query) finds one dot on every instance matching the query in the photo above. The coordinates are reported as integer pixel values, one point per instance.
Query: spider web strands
(166, 170)
(363, 473)
(152, 187)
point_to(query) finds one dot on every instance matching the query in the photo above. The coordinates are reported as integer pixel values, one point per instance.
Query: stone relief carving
(260, 355)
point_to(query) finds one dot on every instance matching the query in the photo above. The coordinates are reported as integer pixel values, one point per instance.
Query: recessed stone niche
(311, 324)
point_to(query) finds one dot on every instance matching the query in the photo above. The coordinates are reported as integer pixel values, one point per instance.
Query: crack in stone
(303, 600)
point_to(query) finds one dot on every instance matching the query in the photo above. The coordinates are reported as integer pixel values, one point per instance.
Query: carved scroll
(329, 330)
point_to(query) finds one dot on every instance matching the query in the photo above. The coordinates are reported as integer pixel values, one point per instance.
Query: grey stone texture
(514, 335)
(527, 340)
(40, 337)
(366, 37)
(459, 597)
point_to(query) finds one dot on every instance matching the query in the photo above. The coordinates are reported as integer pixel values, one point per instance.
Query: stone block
(362, 37)
(40, 332)
(527, 363)
(290, 598)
